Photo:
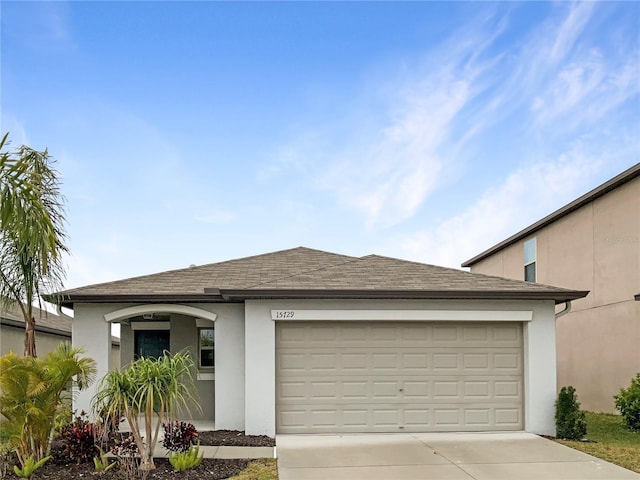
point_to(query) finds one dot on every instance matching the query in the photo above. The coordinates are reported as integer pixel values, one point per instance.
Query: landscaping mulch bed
(235, 438)
(60, 468)
(209, 469)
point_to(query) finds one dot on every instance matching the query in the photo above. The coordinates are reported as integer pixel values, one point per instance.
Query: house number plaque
(281, 314)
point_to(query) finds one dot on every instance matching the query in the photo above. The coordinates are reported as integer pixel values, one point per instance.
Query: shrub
(570, 420)
(179, 436)
(125, 446)
(79, 440)
(32, 392)
(102, 463)
(182, 461)
(149, 389)
(628, 402)
(29, 466)
(64, 417)
(125, 449)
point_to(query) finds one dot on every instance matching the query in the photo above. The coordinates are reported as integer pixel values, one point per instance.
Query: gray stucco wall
(126, 345)
(183, 334)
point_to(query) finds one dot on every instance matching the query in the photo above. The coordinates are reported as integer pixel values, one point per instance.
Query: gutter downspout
(564, 311)
(61, 313)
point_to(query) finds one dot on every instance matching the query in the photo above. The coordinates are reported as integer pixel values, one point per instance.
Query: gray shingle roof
(304, 272)
(44, 320)
(236, 274)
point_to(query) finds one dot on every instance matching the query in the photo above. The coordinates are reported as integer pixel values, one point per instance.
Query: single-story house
(51, 329)
(307, 341)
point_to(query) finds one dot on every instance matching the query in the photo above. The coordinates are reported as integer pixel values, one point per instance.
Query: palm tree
(147, 393)
(32, 232)
(31, 392)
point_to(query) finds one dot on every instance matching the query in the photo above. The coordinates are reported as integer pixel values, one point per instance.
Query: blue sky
(194, 132)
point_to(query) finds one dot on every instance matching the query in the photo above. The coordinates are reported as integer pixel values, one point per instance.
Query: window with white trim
(206, 347)
(530, 260)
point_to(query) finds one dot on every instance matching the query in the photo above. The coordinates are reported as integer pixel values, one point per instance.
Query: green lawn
(610, 441)
(262, 469)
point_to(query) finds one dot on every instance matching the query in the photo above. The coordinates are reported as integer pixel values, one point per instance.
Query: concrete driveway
(437, 456)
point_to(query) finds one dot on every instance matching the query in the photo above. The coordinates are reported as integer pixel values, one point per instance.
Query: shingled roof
(45, 321)
(306, 273)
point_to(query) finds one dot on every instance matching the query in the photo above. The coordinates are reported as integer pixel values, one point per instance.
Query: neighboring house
(593, 243)
(306, 341)
(51, 329)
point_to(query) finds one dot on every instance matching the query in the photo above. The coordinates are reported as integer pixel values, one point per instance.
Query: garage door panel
(507, 333)
(354, 362)
(417, 390)
(355, 390)
(383, 361)
(355, 377)
(355, 418)
(506, 361)
(417, 418)
(508, 389)
(508, 417)
(405, 389)
(446, 390)
(388, 417)
(385, 390)
(292, 362)
(477, 389)
(363, 335)
(323, 363)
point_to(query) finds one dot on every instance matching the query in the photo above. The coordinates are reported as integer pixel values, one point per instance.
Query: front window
(206, 347)
(530, 260)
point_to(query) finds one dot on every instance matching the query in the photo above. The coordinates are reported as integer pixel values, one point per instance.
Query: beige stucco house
(306, 341)
(593, 243)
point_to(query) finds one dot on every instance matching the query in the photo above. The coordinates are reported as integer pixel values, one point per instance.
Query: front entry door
(151, 343)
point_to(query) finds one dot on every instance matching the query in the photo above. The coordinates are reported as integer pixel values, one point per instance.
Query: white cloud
(574, 83)
(570, 30)
(585, 90)
(522, 198)
(430, 118)
(387, 169)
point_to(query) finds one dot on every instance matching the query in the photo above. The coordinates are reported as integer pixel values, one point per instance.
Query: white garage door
(398, 377)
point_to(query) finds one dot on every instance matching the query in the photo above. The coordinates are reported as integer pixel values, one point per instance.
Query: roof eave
(39, 328)
(239, 295)
(557, 296)
(68, 301)
(588, 197)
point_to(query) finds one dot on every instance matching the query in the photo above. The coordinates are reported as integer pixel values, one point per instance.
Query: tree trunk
(30, 338)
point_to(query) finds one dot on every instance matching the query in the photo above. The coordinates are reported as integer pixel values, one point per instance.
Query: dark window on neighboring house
(150, 343)
(206, 347)
(530, 260)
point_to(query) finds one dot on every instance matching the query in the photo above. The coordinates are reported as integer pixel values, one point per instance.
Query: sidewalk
(224, 451)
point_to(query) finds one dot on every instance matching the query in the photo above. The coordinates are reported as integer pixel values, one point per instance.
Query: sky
(195, 132)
